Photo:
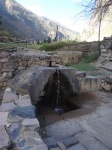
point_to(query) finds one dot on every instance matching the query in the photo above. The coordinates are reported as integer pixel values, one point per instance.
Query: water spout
(58, 108)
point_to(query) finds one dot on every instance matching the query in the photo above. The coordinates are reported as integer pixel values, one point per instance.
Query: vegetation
(34, 46)
(85, 64)
(56, 45)
(5, 33)
(95, 10)
(91, 57)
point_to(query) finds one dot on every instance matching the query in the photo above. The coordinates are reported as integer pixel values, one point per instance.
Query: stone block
(24, 112)
(90, 142)
(61, 145)
(4, 138)
(69, 141)
(10, 65)
(103, 50)
(5, 74)
(6, 107)
(2, 79)
(24, 102)
(81, 74)
(3, 118)
(4, 54)
(31, 123)
(4, 60)
(7, 70)
(8, 89)
(62, 130)
(21, 68)
(50, 142)
(9, 97)
(23, 64)
(32, 138)
(14, 130)
(40, 147)
(107, 87)
(77, 147)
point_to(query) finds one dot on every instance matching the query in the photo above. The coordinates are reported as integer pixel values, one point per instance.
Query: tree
(49, 39)
(96, 9)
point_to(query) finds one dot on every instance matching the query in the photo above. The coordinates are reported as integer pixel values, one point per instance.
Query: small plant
(91, 57)
(53, 46)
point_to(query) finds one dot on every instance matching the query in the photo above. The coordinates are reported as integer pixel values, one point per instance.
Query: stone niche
(40, 81)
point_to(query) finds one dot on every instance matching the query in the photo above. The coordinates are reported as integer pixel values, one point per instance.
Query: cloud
(36, 9)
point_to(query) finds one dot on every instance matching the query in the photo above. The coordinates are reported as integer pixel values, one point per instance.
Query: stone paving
(20, 129)
(92, 131)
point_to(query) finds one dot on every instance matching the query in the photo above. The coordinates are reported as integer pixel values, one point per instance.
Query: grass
(3, 45)
(56, 45)
(34, 46)
(53, 46)
(85, 64)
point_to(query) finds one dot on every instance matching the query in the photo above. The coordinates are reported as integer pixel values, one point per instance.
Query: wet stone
(50, 142)
(69, 141)
(78, 146)
(21, 143)
(14, 130)
(24, 112)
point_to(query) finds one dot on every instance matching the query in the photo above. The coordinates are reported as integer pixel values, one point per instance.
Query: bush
(53, 46)
(5, 33)
(91, 57)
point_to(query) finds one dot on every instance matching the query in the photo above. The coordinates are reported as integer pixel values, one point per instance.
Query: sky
(62, 11)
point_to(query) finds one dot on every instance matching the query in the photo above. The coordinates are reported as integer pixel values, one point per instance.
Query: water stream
(58, 108)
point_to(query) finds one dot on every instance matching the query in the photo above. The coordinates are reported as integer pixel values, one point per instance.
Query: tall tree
(96, 9)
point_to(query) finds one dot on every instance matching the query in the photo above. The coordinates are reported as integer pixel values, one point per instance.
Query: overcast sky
(62, 11)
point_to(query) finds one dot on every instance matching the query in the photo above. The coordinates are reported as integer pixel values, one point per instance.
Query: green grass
(56, 45)
(53, 46)
(91, 57)
(3, 45)
(84, 66)
(34, 46)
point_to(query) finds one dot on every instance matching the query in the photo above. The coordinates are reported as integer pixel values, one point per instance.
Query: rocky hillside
(26, 24)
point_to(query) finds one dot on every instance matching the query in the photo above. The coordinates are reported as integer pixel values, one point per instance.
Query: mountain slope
(28, 25)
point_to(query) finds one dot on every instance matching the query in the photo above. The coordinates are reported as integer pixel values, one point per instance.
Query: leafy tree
(96, 9)
(49, 39)
(38, 42)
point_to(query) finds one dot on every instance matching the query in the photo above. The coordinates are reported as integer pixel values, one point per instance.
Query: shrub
(53, 46)
(91, 57)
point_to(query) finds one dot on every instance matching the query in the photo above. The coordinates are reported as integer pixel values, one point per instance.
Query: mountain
(26, 24)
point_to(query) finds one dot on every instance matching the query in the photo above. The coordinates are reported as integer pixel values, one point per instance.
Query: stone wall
(82, 46)
(14, 60)
(19, 127)
(106, 53)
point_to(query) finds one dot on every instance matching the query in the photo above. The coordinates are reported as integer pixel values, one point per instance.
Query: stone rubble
(19, 127)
